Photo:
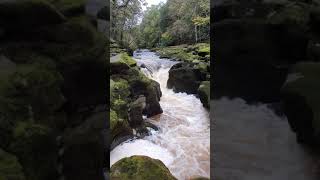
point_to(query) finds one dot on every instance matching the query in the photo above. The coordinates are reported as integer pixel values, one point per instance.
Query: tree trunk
(196, 32)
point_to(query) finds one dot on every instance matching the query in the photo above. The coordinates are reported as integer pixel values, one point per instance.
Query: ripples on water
(183, 141)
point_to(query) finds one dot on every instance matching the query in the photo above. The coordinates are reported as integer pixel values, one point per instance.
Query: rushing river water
(183, 141)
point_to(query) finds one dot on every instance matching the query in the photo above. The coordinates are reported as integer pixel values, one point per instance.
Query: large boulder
(135, 111)
(184, 78)
(301, 102)
(119, 100)
(140, 167)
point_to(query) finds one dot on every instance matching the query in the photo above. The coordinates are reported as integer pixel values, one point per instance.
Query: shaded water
(252, 142)
(183, 141)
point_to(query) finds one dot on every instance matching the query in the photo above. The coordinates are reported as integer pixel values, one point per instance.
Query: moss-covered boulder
(119, 101)
(37, 151)
(203, 49)
(125, 58)
(10, 168)
(140, 167)
(204, 93)
(301, 102)
(28, 13)
(139, 84)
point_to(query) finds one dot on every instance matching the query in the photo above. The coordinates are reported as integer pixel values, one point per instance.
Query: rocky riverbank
(52, 90)
(192, 74)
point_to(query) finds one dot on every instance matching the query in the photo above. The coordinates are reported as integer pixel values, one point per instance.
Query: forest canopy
(172, 23)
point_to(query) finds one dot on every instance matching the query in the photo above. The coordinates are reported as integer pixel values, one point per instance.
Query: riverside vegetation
(178, 30)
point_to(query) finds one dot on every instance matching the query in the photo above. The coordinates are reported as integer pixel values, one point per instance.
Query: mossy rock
(125, 58)
(28, 13)
(70, 7)
(119, 96)
(33, 86)
(188, 54)
(203, 49)
(204, 93)
(307, 87)
(10, 168)
(32, 142)
(140, 167)
(119, 100)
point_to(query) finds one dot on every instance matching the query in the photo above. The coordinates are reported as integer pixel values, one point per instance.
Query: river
(183, 141)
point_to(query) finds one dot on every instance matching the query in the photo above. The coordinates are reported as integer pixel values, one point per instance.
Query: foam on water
(183, 141)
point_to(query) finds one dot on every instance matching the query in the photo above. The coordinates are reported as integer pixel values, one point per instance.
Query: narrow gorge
(182, 142)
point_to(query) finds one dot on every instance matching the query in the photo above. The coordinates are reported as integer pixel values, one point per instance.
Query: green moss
(140, 167)
(184, 52)
(119, 97)
(31, 143)
(125, 58)
(10, 168)
(113, 119)
(204, 93)
(308, 86)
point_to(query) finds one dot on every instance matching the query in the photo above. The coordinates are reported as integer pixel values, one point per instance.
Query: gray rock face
(135, 111)
(184, 78)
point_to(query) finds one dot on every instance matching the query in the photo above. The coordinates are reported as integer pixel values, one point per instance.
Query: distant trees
(124, 17)
(171, 23)
(176, 22)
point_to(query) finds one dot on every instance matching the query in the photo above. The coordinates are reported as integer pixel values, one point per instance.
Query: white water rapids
(183, 141)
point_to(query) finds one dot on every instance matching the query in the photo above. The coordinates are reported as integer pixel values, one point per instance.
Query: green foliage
(166, 39)
(201, 21)
(171, 23)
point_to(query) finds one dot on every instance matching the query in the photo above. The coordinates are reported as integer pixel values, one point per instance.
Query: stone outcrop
(140, 167)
